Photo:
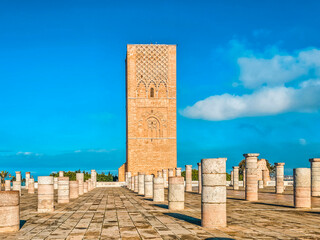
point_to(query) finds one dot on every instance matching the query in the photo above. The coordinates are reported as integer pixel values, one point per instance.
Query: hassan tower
(151, 109)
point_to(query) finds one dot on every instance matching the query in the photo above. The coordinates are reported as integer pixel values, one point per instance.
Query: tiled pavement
(117, 213)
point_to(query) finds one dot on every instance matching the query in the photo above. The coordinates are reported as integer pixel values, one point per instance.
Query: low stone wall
(111, 184)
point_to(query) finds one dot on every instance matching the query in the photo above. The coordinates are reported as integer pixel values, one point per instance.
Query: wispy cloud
(267, 78)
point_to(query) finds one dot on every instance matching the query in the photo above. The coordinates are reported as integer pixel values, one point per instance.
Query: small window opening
(152, 92)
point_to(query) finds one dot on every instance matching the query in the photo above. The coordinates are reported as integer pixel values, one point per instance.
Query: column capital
(279, 164)
(251, 155)
(314, 160)
(235, 167)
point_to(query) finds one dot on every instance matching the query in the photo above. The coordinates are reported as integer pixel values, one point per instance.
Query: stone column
(94, 178)
(159, 173)
(128, 179)
(302, 187)
(235, 178)
(158, 189)
(31, 186)
(16, 186)
(132, 183)
(74, 189)
(141, 183)
(27, 179)
(9, 211)
(63, 190)
(251, 176)
(176, 193)
(80, 178)
(61, 173)
(165, 177)
(199, 178)
(7, 185)
(178, 172)
(136, 184)
(214, 193)
(55, 183)
(315, 177)
(265, 177)
(45, 194)
(148, 186)
(231, 179)
(188, 178)
(18, 176)
(260, 184)
(279, 177)
(170, 172)
(244, 177)
(85, 187)
(89, 185)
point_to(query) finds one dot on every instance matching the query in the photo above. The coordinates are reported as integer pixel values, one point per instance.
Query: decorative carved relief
(152, 65)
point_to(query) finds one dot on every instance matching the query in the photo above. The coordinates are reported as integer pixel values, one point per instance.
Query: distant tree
(228, 176)
(194, 174)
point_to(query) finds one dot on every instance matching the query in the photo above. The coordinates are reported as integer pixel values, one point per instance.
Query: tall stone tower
(151, 109)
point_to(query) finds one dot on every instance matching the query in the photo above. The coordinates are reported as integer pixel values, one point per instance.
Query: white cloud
(24, 153)
(262, 102)
(267, 75)
(278, 70)
(302, 141)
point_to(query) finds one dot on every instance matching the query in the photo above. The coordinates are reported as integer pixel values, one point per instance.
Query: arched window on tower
(152, 92)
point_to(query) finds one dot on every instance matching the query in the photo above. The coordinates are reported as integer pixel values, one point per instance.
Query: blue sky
(247, 80)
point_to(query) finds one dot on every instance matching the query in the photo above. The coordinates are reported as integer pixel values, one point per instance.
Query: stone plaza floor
(117, 213)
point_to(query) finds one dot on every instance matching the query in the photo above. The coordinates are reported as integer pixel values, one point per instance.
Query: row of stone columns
(212, 178)
(10, 200)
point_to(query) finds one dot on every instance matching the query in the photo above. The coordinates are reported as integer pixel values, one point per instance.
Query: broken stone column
(7, 185)
(63, 190)
(94, 178)
(165, 177)
(85, 187)
(136, 183)
(128, 179)
(141, 183)
(31, 186)
(45, 194)
(279, 177)
(16, 186)
(74, 189)
(27, 179)
(170, 172)
(132, 183)
(214, 193)
(89, 185)
(55, 183)
(260, 184)
(61, 173)
(176, 193)
(159, 173)
(244, 177)
(148, 186)
(235, 178)
(302, 187)
(188, 178)
(18, 176)
(265, 177)
(129, 183)
(158, 189)
(199, 178)
(315, 177)
(80, 178)
(231, 179)
(251, 176)
(178, 172)
(9, 211)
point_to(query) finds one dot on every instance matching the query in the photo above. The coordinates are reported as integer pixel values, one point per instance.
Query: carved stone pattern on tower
(152, 70)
